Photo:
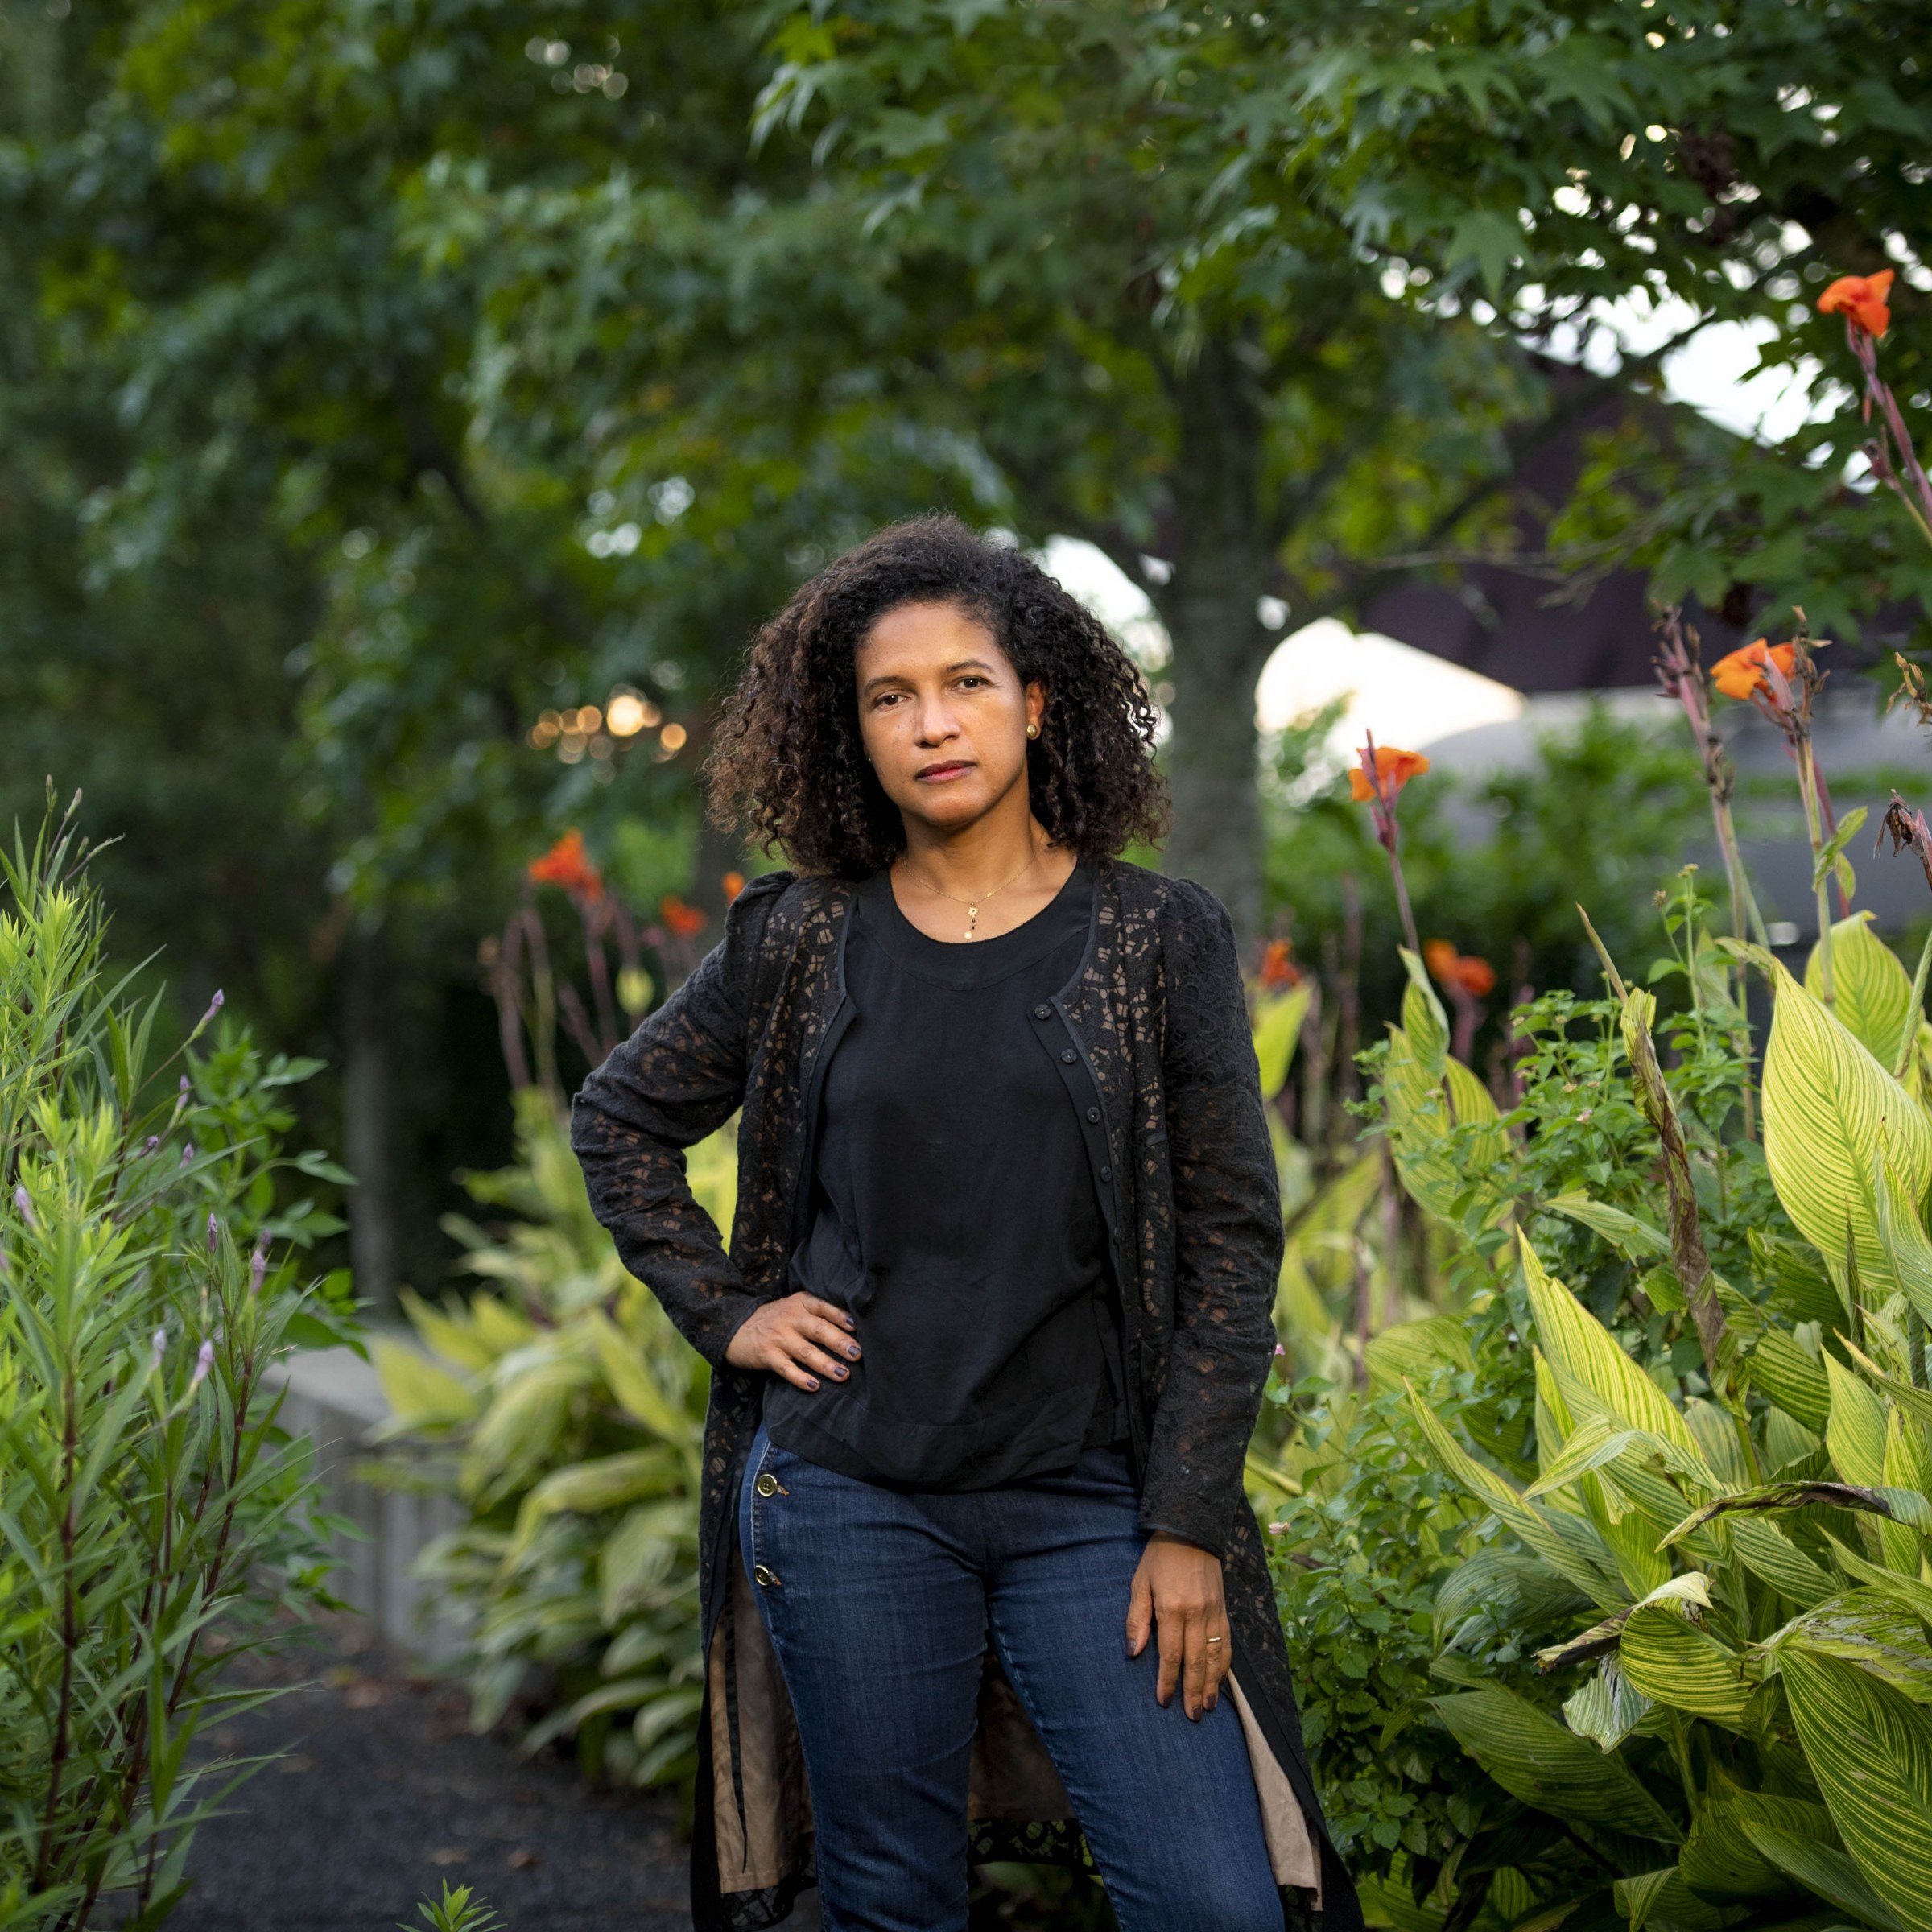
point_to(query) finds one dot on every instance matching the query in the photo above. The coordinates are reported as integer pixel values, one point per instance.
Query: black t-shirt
(953, 1212)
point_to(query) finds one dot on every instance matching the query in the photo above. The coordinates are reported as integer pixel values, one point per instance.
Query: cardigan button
(762, 1577)
(1068, 1056)
(1093, 1113)
(767, 1485)
(1106, 1173)
(1042, 1011)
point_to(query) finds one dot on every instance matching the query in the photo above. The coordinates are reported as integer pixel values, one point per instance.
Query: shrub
(153, 1517)
(1684, 1648)
(570, 1415)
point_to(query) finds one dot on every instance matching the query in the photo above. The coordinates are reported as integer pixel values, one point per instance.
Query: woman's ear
(1036, 708)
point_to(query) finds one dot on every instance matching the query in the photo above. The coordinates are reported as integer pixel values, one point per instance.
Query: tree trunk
(365, 1118)
(1209, 607)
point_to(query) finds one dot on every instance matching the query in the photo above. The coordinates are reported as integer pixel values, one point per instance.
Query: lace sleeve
(1227, 1233)
(680, 1077)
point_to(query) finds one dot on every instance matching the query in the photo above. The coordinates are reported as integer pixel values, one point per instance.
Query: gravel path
(384, 1795)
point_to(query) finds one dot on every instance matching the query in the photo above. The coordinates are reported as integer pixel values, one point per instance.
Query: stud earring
(1033, 731)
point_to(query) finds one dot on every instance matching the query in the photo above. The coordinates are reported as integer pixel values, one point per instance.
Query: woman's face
(942, 714)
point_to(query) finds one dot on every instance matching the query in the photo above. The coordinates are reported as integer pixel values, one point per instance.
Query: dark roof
(1525, 630)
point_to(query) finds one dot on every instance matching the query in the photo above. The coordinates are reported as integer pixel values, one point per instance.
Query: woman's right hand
(799, 1337)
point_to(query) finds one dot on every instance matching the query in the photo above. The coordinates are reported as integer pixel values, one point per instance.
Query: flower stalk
(1863, 301)
(1682, 676)
(1377, 782)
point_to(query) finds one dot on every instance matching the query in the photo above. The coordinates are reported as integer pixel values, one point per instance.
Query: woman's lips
(952, 770)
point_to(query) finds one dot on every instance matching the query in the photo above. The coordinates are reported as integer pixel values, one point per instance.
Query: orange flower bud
(1861, 299)
(686, 921)
(1742, 672)
(1463, 971)
(1391, 766)
(567, 864)
(734, 884)
(1278, 969)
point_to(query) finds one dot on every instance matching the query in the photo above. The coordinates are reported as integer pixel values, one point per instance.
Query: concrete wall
(334, 1398)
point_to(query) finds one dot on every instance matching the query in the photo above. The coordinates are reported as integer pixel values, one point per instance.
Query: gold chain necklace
(972, 906)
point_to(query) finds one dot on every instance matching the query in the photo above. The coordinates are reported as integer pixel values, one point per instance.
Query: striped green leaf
(1907, 1466)
(1672, 1661)
(1825, 1868)
(1606, 1710)
(1662, 1898)
(1719, 1859)
(1856, 1432)
(1902, 1234)
(1870, 1750)
(1568, 1545)
(1873, 992)
(1444, 1131)
(1916, 1402)
(1636, 1240)
(1908, 1593)
(1793, 1378)
(1828, 1104)
(1278, 1027)
(1867, 1628)
(1423, 1019)
(1582, 1349)
(1536, 1760)
(1772, 1556)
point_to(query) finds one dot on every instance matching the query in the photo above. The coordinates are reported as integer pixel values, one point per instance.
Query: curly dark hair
(788, 765)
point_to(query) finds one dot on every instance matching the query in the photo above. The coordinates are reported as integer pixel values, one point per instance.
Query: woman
(991, 1336)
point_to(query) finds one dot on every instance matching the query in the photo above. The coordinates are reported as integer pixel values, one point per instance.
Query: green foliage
(156, 1517)
(1497, 866)
(1717, 1566)
(1356, 1557)
(569, 1415)
(458, 1910)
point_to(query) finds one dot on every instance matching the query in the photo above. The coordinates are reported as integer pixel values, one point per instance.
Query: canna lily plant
(1720, 1556)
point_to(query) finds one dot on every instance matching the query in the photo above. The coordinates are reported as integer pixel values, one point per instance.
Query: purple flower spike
(24, 1203)
(257, 1266)
(188, 1153)
(158, 1348)
(152, 1141)
(214, 1006)
(214, 1234)
(205, 1361)
(183, 1088)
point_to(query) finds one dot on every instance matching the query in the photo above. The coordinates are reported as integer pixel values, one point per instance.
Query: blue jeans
(879, 1604)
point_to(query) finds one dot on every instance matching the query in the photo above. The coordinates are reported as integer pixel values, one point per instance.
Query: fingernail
(853, 1352)
(811, 1381)
(839, 1372)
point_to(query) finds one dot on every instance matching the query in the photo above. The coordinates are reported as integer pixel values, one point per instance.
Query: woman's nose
(935, 724)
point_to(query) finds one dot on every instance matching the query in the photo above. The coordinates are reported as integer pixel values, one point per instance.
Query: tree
(1286, 259)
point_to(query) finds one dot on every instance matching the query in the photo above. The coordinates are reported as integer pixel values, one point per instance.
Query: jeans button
(762, 1577)
(767, 1485)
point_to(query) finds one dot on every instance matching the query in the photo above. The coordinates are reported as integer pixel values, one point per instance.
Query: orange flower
(734, 884)
(1742, 672)
(1392, 767)
(1462, 971)
(1278, 969)
(686, 921)
(567, 864)
(1861, 299)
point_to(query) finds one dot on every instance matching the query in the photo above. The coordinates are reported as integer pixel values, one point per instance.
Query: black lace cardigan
(1158, 1012)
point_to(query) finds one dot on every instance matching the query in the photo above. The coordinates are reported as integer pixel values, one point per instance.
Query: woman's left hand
(1177, 1591)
